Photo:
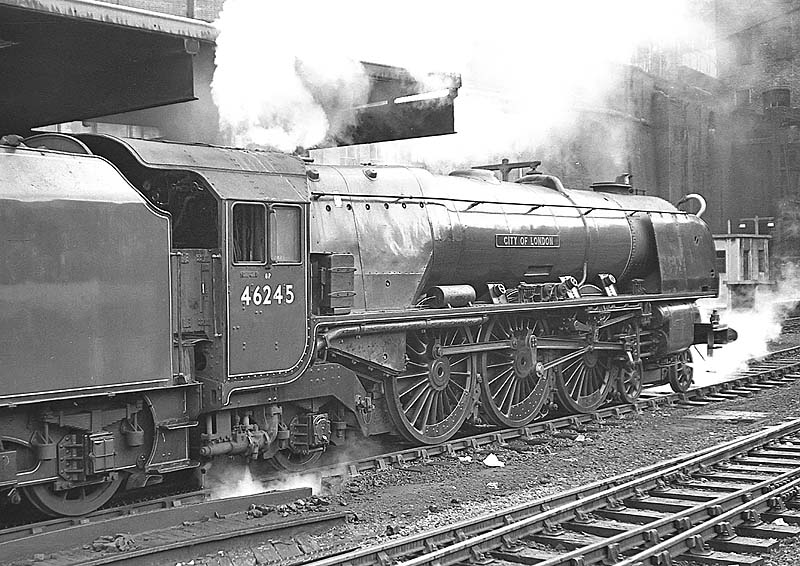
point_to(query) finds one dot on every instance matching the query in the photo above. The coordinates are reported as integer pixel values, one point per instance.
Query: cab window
(285, 235)
(249, 221)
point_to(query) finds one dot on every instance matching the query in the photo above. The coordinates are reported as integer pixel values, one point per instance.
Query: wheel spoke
(502, 402)
(585, 376)
(511, 397)
(413, 387)
(417, 374)
(502, 375)
(419, 402)
(452, 397)
(505, 385)
(418, 407)
(426, 413)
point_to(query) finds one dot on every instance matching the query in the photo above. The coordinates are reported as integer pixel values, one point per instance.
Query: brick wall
(758, 49)
(207, 10)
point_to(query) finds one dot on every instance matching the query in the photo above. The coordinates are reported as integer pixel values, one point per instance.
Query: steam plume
(756, 327)
(233, 478)
(286, 76)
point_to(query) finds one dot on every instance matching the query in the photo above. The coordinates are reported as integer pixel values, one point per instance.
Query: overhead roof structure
(116, 15)
(74, 59)
(67, 60)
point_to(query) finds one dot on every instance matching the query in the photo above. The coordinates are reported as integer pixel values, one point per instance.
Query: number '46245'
(266, 295)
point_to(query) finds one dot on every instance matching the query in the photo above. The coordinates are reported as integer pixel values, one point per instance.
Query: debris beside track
(313, 503)
(117, 543)
(284, 528)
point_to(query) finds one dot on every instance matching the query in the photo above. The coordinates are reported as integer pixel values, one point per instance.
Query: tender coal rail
(714, 506)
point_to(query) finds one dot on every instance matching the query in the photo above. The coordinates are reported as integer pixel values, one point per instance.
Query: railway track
(722, 505)
(790, 325)
(773, 370)
(165, 525)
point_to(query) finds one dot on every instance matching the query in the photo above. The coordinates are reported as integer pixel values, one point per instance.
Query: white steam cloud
(276, 84)
(756, 327)
(286, 76)
(233, 478)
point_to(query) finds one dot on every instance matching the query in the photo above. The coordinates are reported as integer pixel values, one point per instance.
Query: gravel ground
(399, 503)
(396, 503)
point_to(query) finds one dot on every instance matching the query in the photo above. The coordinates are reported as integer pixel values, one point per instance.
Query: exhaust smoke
(286, 76)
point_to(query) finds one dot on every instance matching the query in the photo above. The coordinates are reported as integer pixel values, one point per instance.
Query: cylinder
(451, 295)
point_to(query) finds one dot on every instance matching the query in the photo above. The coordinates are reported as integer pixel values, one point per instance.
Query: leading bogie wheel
(629, 381)
(430, 400)
(681, 375)
(513, 386)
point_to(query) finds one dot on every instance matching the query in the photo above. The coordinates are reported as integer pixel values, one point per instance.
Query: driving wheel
(430, 400)
(514, 386)
(583, 384)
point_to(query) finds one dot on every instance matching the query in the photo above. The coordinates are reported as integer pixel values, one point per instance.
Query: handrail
(316, 195)
(178, 298)
(215, 258)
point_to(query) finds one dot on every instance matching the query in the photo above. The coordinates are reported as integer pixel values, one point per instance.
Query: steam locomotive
(162, 304)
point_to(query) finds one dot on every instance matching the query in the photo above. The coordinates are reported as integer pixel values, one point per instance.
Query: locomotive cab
(240, 268)
(267, 282)
(239, 256)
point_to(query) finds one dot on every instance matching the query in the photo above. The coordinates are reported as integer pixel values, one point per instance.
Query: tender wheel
(682, 375)
(431, 399)
(72, 502)
(513, 388)
(582, 385)
(288, 461)
(629, 381)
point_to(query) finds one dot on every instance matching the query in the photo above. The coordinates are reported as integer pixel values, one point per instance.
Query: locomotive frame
(293, 327)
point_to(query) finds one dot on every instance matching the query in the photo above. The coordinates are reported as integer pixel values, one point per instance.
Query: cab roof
(232, 173)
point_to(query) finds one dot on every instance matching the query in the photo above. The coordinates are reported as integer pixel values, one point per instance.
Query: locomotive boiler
(163, 304)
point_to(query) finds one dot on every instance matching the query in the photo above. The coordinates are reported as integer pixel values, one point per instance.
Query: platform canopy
(79, 60)
(64, 60)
